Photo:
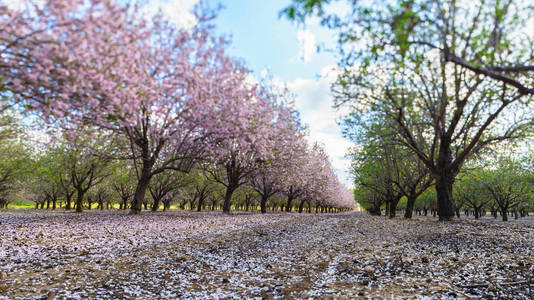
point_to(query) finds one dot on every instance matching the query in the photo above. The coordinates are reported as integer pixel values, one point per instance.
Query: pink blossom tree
(167, 97)
(157, 88)
(243, 144)
(286, 139)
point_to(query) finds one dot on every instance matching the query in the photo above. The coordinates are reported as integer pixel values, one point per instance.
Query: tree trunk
(393, 207)
(263, 204)
(79, 200)
(192, 204)
(140, 191)
(301, 205)
(444, 195)
(200, 203)
(124, 202)
(410, 203)
(289, 206)
(228, 199)
(67, 201)
(155, 206)
(504, 213)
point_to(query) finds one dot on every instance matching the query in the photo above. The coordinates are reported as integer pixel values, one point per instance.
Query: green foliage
(15, 159)
(368, 200)
(300, 9)
(427, 200)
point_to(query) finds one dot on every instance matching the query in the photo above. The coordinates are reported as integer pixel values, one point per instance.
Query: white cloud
(264, 73)
(307, 45)
(314, 102)
(177, 11)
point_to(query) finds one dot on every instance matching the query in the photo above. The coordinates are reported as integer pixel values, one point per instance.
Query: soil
(110, 255)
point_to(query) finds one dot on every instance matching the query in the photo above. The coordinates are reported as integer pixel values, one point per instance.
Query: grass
(21, 204)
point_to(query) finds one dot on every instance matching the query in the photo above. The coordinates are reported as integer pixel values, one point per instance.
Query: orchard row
(140, 107)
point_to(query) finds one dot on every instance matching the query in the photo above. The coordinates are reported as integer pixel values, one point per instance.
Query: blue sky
(267, 42)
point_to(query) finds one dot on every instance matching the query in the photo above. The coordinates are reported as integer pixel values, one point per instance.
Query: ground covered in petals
(109, 255)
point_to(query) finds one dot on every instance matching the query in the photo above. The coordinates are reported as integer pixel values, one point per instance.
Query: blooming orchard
(168, 99)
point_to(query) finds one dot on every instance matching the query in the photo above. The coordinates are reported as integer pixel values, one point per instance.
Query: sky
(286, 51)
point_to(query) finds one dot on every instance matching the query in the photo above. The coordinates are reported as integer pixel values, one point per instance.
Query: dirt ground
(110, 255)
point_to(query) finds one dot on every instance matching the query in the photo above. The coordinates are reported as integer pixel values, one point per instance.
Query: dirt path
(291, 256)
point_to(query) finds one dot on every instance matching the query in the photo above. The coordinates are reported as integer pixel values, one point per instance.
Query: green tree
(507, 184)
(449, 74)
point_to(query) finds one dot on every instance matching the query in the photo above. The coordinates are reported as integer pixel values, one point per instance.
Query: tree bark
(444, 195)
(410, 203)
(67, 201)
(263, 204)
(155, 205)
(200, 203)
(504, 212)
(228, 199)
(142, 186)
(124, 202)
(301, 205)
(289, 206)
(393, 207)
(79, 200)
